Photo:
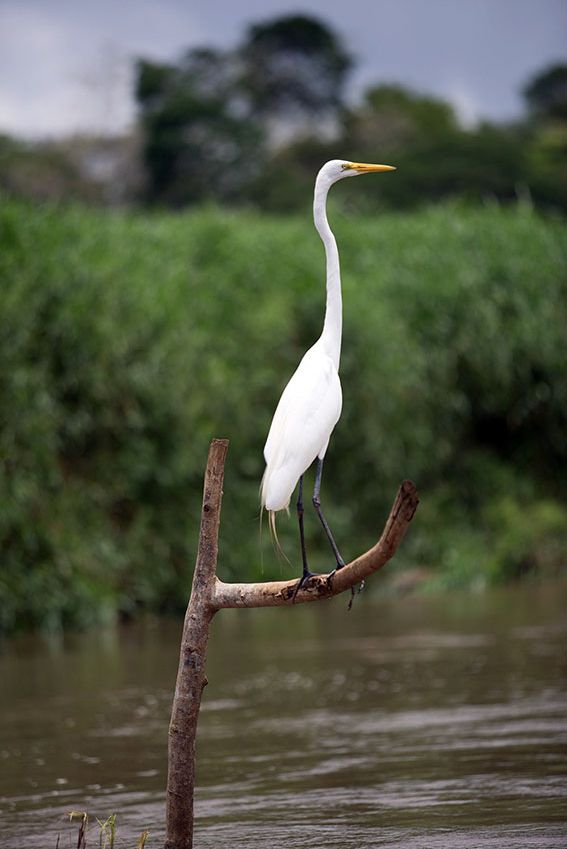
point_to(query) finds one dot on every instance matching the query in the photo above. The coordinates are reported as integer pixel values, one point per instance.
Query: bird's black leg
(301, 531)
(336, 552)
(317, 506)
(306, 573)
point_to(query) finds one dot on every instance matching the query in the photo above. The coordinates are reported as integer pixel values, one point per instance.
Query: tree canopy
(251, 125)
(546, 93)
(199, 136)
(294, 65)
(207, 119)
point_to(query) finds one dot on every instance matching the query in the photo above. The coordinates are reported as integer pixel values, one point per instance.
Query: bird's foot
(331, 575)
(303, 581)
(353, 590)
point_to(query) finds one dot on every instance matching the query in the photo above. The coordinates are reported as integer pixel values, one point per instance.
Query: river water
(423, 723)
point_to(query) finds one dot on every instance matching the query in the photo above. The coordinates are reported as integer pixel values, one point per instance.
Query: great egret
(310, 405)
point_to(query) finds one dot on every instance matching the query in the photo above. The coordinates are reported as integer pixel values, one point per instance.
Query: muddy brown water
(423, 723)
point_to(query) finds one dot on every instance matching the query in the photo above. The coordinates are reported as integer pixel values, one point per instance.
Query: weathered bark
(191, 678)
(275, 593)
(209, 595)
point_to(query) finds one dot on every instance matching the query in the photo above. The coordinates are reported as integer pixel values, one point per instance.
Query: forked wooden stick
(209, 594)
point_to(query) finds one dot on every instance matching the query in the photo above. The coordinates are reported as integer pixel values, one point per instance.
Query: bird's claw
(302, 583)
(331, 575)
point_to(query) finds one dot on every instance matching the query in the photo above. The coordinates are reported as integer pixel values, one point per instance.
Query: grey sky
(65, 65)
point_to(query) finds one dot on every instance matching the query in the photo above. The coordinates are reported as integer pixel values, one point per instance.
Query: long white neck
(332, 328)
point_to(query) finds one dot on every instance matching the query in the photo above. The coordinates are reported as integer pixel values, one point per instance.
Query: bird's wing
(308, 410)
(309, 406)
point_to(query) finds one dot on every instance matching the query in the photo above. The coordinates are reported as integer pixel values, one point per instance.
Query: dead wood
(191, 678)
(275, 593)
(209, 594)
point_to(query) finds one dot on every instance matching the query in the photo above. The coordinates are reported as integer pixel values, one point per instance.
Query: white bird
(310, 405)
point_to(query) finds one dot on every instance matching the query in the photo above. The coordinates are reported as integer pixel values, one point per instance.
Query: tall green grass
(127, 341)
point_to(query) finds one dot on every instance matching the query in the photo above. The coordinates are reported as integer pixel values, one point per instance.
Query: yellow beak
(364, 166)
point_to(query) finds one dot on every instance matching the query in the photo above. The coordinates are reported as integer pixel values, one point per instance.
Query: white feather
(308, 410)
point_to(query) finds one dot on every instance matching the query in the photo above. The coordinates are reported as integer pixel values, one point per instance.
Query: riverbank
(128, 340)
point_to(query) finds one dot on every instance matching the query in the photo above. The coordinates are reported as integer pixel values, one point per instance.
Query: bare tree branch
(209, 595)
(275, 593)
(191, 679)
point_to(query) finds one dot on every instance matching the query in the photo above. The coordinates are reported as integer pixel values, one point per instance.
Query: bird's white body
(305, 417)
(310, 405)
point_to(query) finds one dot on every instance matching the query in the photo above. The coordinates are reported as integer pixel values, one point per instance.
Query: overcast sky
(65, 65)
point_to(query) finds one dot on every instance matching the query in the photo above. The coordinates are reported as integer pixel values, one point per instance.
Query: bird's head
(336, 169)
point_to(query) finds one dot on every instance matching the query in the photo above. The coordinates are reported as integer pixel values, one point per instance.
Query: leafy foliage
(252, 124)
(128, 341)
(206, 120)
(294, 64)
(40, 171)
(199, 142)
(546, 93)
(249, 126)
(436, 158)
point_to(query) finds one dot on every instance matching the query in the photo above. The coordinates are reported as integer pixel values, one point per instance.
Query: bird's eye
(345, 166)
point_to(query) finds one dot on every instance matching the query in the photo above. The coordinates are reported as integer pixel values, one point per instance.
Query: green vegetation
(127, 341)
(105, 831)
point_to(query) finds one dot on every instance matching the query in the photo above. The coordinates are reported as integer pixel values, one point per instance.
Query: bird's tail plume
(271, 521)
(274, 536)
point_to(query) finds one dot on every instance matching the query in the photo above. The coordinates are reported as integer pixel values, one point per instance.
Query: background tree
(251, 126)
(546, 93)
(206, 119)
(546, 137)
(420, 134)
(42, 172)
(295, 70)
(436, 157)
(201, 141)
(392, 118)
